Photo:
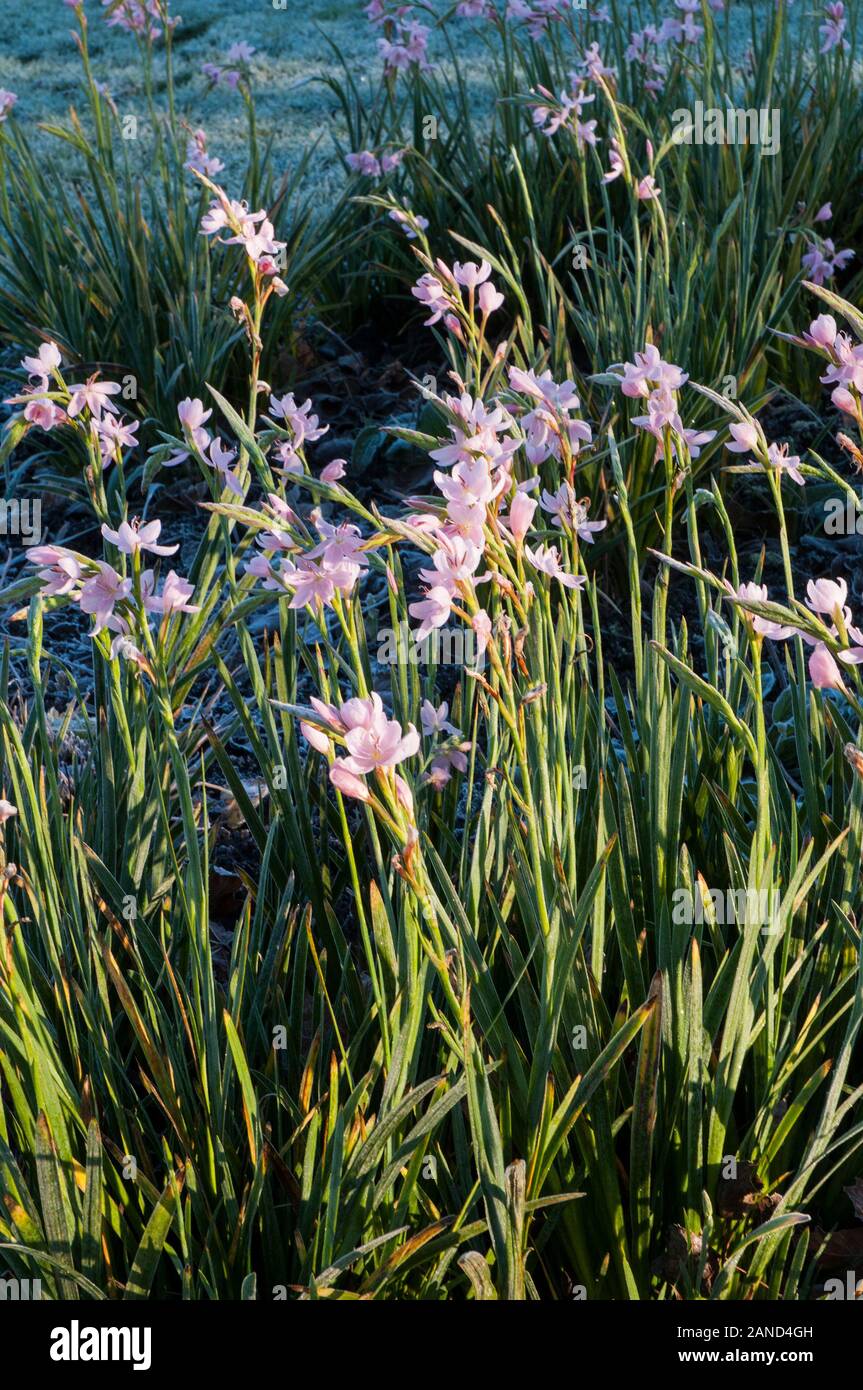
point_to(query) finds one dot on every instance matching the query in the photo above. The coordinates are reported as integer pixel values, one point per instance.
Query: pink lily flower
(102, 592)
(546, 559)
(46, 361)
(94, 396)
(174, 597)
(823, 671)
(134, 537)
(434, 610)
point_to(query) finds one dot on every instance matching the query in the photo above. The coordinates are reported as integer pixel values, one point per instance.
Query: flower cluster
(144, 17)
(253, 231)
(441, 293)
(832, 30)
(404, 44)
(476, 9)
(821, 262)
(50, 402)
(565, 114)
(537, 15)
(198, 159)
(827, 599)
(652, 379)
(375, 746)
(115, 601)
(371, 166)
(845, 358)
(748, 438)
(411, 224)
(331, 567)
(551, 429)
(298, 426)
(237, 60)
(472, 526)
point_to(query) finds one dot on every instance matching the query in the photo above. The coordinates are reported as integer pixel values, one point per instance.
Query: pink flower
(340, 546)
(746, 439)
(347, 782)
(489, 299)
(434, 721)
(131, 538)
(783, 462)
(45, 415)
(454, 562)
(102, 592)
(475, 9)
(695, 440)
(357, 713)
(214, 219)
(843, 400)
(175, 595)
(546, 559)
(221, 459)
(616, 162)
(431, 294)
(569, 513)
(240, 53)
(410, 223)
(7, 101)
(123, 646)
(757, 593)
(7, 811)
(662, 413)
(821, 263)
(470, 274)
(193, 416)
(46, 361)
(648, 370)
(380, 744)
(197, 157)
(94, 396)
(827, 595)
(833, 29)
(305, 425)
(334, 471)
(593, 64)
(823, 671)
(60, 573)
(822, 331)
(114, 435)
(646, 189)
(824, 213)
(433, 610)
(521, 511)
(216, 75)
(257, 237)
(364, 163)
(404, 796)
(311, 583)
(315, 737)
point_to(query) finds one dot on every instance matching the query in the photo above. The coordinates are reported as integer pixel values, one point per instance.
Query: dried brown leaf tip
(855, 757)
(850, 448)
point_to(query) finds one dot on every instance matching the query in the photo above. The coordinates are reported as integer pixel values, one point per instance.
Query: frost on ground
(295, 110)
